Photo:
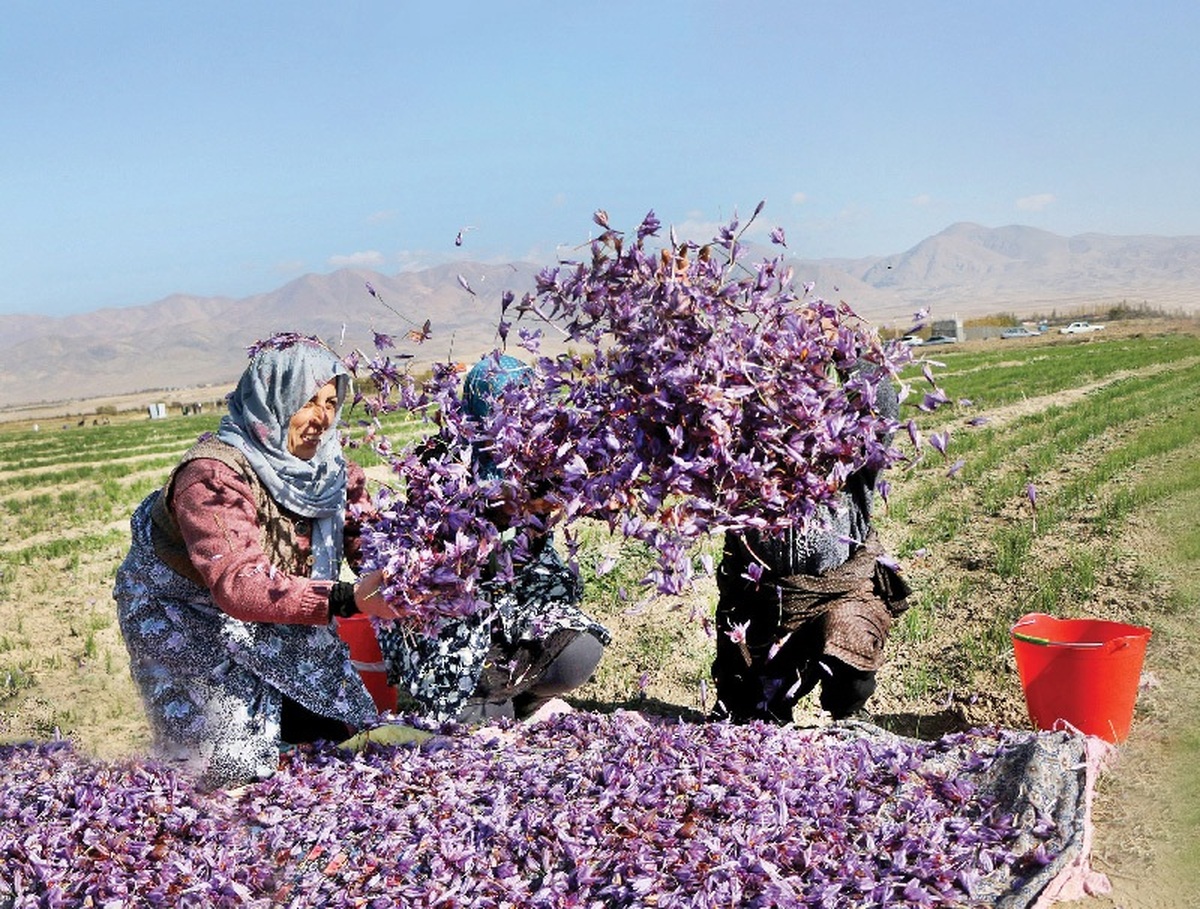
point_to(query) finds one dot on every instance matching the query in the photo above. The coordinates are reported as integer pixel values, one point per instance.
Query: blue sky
(225, 148)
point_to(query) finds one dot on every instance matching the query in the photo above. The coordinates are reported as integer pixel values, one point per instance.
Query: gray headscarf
(284, 374)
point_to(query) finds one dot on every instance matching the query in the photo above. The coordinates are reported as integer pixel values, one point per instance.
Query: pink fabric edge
(1078, 879)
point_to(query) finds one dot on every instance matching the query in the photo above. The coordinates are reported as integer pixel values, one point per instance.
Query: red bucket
(365, 655)
(1082, 672)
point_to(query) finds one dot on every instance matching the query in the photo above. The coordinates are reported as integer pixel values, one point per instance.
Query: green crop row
(1108, 432)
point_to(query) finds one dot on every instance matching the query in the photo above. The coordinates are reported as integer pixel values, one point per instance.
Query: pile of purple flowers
(699, 393)
(583, 810)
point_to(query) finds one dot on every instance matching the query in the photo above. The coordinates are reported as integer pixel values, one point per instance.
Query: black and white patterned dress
(442, 672)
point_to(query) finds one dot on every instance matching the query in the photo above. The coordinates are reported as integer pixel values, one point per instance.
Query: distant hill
(977, 269)
(183, 341)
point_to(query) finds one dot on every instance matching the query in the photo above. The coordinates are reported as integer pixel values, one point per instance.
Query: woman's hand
(369, 598)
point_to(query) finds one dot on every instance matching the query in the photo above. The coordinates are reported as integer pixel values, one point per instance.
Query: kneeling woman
(227, 598)
(533, 645)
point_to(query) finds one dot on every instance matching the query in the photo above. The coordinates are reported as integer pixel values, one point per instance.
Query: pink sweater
(218, 519)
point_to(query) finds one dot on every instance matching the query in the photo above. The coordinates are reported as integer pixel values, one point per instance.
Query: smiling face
(309, 423)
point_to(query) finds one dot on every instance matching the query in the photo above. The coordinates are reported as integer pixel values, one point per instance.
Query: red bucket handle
(1112, 645)
(1046, 642)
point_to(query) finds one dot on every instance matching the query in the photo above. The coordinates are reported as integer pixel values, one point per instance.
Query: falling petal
(737, 633)
(423, 335)
(914, 434)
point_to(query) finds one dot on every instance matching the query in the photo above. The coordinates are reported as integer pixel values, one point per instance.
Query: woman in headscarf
(228, 595)
(534, 644)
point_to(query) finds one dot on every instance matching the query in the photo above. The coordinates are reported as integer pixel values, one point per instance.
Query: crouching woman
(227, 597)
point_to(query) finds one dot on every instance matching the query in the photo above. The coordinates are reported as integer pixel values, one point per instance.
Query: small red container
(1081, 672)
(366, 657)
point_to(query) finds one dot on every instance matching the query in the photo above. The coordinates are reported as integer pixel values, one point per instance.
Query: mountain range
(185, 341)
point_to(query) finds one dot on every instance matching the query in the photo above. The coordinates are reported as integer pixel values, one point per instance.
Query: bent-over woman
(819, 614)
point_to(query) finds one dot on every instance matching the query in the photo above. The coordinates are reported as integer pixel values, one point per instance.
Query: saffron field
(1069, 486)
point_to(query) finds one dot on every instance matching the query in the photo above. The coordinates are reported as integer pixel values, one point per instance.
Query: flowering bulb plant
(699, 393)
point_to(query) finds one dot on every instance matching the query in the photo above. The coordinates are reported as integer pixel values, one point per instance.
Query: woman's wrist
(341, 600)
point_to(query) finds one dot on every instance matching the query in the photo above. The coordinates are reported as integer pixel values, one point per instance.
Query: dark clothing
(779, 638)
(818, 615)
(298, 724)
(517, 680)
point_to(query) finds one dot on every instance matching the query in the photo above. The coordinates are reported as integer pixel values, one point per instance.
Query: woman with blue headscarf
(534, 644)
(227, 597)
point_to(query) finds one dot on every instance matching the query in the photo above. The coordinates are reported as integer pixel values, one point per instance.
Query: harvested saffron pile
(584, 809)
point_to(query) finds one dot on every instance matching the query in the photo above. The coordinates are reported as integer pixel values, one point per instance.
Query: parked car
(942, 339)
(1019, 331)
(1079, 328)
(912, 340)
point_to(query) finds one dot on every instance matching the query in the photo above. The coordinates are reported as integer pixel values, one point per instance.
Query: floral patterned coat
(214, 649)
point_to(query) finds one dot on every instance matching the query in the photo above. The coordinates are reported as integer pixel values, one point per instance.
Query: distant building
(948, 328)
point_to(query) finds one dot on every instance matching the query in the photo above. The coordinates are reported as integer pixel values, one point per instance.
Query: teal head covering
(485, 383)
(487, 379)
(285, 372)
